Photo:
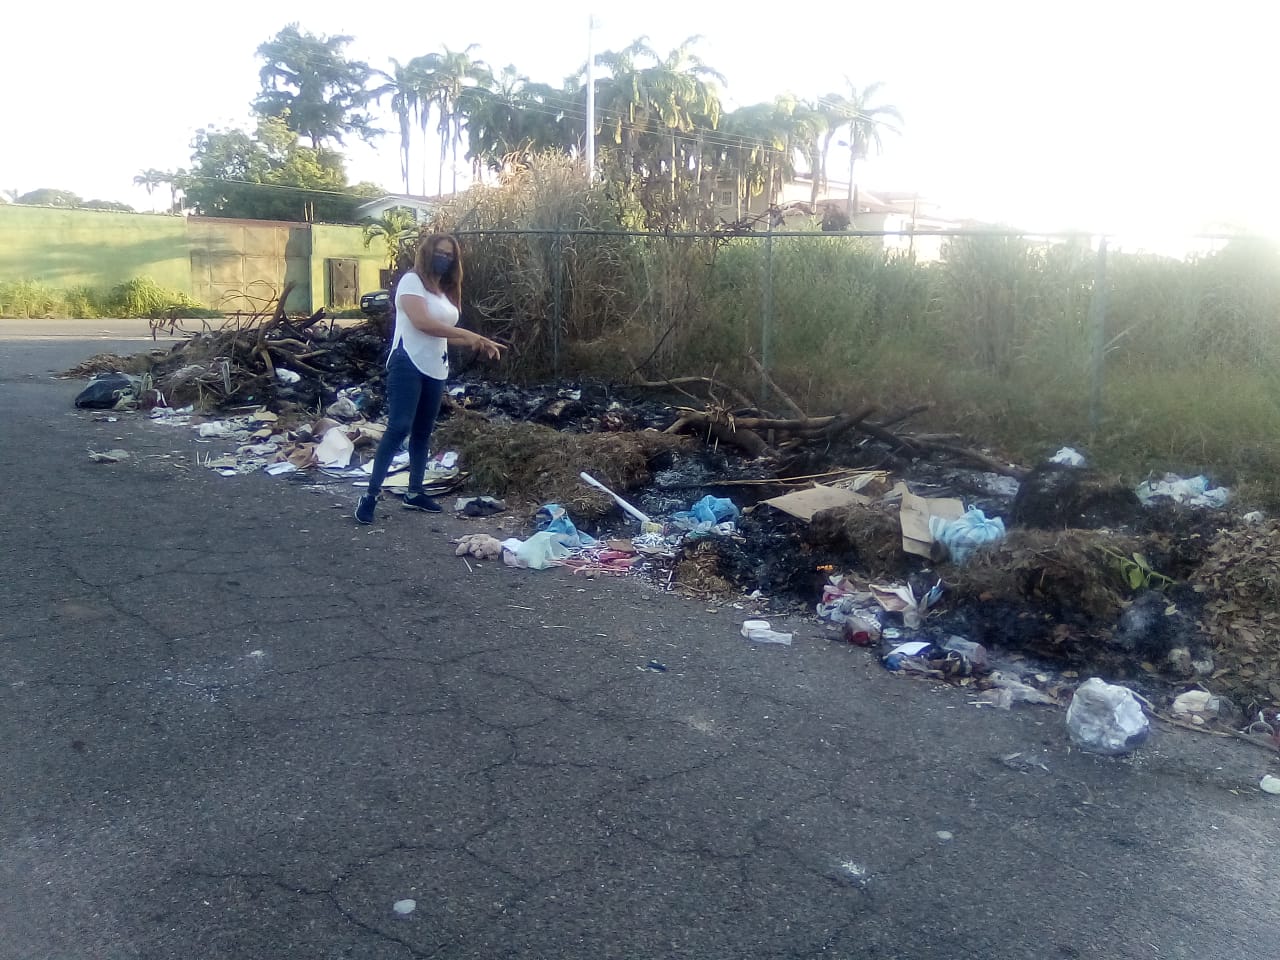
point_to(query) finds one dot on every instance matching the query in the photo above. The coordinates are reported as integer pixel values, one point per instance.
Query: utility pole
(591, 101)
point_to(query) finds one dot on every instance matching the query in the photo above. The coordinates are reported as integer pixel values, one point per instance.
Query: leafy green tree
(46, 197)
(268, 175)
(313, 88)
(107, 205)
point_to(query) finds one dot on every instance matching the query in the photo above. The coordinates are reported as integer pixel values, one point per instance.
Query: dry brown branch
(676, 382)
(794, 407)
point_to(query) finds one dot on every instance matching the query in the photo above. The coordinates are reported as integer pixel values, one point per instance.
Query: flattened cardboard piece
(803, 504)
(914, 516)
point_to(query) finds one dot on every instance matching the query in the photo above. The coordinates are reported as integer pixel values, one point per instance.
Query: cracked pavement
(238, 725)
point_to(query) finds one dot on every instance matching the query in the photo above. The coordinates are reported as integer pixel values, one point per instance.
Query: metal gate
(344, 282)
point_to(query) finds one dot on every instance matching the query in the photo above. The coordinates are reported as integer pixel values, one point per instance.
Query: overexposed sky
(1125, 115)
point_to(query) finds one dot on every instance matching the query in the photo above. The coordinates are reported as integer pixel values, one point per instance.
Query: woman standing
(427, 302)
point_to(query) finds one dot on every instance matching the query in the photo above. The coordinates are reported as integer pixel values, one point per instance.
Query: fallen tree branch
(676, 382)
(995, 466)
(782, 394)
(907, 414)
(884, 436)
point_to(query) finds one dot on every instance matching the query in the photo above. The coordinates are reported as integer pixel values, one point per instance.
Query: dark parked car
(376, 304)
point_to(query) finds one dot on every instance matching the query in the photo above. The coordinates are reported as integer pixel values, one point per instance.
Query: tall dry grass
(996, 336)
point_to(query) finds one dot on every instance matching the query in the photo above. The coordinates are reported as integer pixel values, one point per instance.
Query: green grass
(138, 297)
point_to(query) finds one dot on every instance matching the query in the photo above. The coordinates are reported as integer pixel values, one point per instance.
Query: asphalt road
(236, 725)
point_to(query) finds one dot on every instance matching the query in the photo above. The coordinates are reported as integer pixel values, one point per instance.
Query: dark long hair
(450, 284)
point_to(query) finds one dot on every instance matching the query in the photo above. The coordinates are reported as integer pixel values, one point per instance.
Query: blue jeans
(413, 401)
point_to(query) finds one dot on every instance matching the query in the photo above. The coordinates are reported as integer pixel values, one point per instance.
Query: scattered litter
(344, 408)
(965, 534)
(1197, 706)
(335, 449)
(479, 506)
(1007, 690)
(1068, 457)
(1106, 718)
(1270, 785)
(105, 392)
(900, 598)
(945, 835)
(844, 599)
(278, 469)
(860, 631)
(761, 632)
(803, 504)
(216, 430)
(482, 546)
(287, 376)
(973, 654)
(657, 666)
(109, 456)
(708, 515)
(539, 552)
(403, 908)
(1016, 761)
(553, 518)
(1191, 491)
(915, 516)
(1254, 516)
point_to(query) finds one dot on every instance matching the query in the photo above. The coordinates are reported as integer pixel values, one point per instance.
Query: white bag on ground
(1105, 718)
(536, 553)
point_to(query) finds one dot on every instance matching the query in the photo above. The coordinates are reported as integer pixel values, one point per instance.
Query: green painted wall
(208, 258)
(244, 264)
(340, 241)
(98, 248)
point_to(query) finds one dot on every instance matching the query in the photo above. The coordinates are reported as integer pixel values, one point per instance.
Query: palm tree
(863, 121)
(623, 101)
(152, 178)
(753, 147)
(445, 76)
(393, 227)
(402, 85)
(684, 98)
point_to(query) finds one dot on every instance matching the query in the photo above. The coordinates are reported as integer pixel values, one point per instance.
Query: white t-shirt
(429, 354)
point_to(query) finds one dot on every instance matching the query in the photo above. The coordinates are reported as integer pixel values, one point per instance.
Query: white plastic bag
(1105, 718)
(536, 553)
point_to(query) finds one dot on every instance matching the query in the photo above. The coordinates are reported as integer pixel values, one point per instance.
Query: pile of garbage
(1059, 564)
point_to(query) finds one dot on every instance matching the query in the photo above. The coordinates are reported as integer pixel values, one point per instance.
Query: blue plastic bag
(552, 518)
(706, 513)
(963, 535)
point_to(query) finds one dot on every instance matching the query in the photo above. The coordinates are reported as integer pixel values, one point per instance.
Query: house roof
(401, 200)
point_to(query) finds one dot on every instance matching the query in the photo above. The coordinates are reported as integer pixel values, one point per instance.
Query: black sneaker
(420, 501)
(364, 509)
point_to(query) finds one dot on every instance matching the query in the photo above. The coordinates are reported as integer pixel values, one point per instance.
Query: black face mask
(441, 264)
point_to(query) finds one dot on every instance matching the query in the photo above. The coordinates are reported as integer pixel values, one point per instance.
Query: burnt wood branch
(995, 466)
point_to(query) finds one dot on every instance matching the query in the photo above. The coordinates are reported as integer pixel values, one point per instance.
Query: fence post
(1098, 335)
(766, 317)
(557, 298)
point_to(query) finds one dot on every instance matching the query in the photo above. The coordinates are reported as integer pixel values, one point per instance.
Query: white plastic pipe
(589, 479)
